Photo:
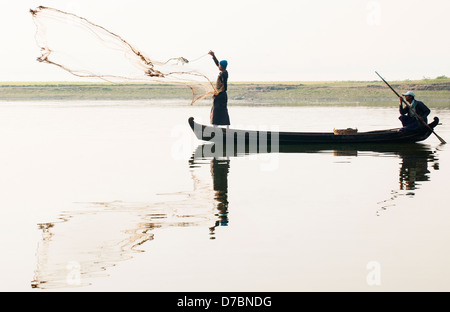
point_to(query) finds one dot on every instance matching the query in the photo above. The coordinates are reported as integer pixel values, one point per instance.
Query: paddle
(409, 106)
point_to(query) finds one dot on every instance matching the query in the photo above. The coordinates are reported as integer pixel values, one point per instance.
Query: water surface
(113, 196)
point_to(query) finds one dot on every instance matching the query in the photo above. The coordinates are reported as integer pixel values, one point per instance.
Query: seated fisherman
(411, 116)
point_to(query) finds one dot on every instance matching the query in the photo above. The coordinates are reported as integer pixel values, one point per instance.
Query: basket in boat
(345, 131)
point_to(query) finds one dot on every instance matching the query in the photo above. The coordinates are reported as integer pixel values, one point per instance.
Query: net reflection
(81, 245)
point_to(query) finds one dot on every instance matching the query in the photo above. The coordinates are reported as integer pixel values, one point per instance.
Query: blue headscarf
(224, 64)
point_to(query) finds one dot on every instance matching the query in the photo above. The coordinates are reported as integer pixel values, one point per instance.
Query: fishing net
(85, 49)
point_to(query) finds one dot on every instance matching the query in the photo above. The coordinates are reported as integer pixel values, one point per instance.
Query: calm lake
(112, 196)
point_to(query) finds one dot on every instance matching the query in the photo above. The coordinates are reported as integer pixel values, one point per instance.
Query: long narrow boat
(227, 136)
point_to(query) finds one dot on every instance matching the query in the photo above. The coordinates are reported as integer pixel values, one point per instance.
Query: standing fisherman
(219, 111)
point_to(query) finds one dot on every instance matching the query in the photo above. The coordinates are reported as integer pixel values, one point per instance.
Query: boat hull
(227, 136)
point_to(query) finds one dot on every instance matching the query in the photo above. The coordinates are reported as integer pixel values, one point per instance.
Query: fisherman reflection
(414, 168)
(219, 173)
(219, 167)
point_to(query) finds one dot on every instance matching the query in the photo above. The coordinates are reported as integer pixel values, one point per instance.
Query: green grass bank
(435, 92)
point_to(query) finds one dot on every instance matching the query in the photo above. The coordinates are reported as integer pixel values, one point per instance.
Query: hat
(223, 63)
(409, 93)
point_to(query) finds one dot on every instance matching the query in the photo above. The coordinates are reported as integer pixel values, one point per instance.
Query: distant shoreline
(435, 91)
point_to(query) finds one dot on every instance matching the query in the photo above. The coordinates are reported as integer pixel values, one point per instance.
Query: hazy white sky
(276, 40)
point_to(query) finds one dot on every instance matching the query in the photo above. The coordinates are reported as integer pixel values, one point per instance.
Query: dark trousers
(410, 123)
(219, 110)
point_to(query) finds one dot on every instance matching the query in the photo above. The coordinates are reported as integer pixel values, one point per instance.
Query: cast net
(88, 50)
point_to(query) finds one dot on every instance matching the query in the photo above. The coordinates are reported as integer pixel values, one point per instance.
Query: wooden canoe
(235, 136)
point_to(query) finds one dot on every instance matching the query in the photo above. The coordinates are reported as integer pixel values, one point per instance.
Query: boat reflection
(415, 160)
